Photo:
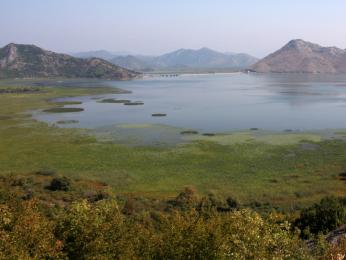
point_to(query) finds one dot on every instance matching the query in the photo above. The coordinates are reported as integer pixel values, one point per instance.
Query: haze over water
(219, 103)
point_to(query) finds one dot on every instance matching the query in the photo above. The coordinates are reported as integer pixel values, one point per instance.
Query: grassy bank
(266, 170)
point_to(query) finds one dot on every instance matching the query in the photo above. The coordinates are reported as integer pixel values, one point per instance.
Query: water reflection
(218, 103)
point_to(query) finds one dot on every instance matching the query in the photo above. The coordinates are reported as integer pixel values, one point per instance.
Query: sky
(153, 27)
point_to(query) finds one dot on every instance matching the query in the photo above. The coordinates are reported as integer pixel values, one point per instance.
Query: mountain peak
(10, 47)
(300, 44)
(299, 56)
(297, 42)
(206, 49)
(17, 45)
(11, 44)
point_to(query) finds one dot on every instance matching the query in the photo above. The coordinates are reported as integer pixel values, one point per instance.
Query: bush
(60, 184)
(95, 231)
(232, 203)
(322, 217)
(241, 234)
(186, 200)
(25, 233)
(100, 231)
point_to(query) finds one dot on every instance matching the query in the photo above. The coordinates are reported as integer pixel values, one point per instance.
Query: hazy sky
(257, 27)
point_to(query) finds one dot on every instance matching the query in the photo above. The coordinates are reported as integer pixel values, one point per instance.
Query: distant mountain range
(102, 54)
(181, 59)
(20, 60)
(299, 56)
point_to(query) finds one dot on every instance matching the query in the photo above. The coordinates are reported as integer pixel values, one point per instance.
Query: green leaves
(322, 217)
(100, 231)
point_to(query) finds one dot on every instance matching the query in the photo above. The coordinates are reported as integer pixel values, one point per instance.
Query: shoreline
(150, 75)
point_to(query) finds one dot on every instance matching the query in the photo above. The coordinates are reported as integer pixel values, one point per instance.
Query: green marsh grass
(271, 169)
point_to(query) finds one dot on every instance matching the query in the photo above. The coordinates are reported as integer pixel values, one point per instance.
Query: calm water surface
(219, 103)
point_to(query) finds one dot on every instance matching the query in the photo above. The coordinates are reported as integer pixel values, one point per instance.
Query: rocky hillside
(299, 56)
(19, 61)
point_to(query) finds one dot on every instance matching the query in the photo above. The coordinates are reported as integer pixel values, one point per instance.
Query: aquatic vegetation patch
(290, 138)
(208, 134)
(65, 122)
(189, 132)
(268, 138)
(113, 100)
(135, 103)
(63, 110)
(224, 139)
(133, 126)
(158, 115)
(65, 103)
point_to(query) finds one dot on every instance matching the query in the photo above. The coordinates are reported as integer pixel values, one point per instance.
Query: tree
(322, 217)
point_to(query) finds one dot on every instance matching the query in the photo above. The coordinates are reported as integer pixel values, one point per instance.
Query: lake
(217, 103)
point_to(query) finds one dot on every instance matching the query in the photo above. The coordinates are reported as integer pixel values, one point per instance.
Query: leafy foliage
(322, 217)
(60, 184)
(25, 233)
(100, 230)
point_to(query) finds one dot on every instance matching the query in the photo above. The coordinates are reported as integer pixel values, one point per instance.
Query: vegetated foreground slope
(19, 61)
(47, 216)
(299, 56)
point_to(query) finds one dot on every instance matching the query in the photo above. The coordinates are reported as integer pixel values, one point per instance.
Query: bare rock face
(19, 60)
(10, 55)
(299, 56)
(337, 235)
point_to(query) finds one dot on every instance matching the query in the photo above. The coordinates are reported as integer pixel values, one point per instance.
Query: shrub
(94, 231)
(232, 203)
(25, 233)
(100, 231)
(187, 199)
(241, 234)
(322, 217)
(60, 184)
